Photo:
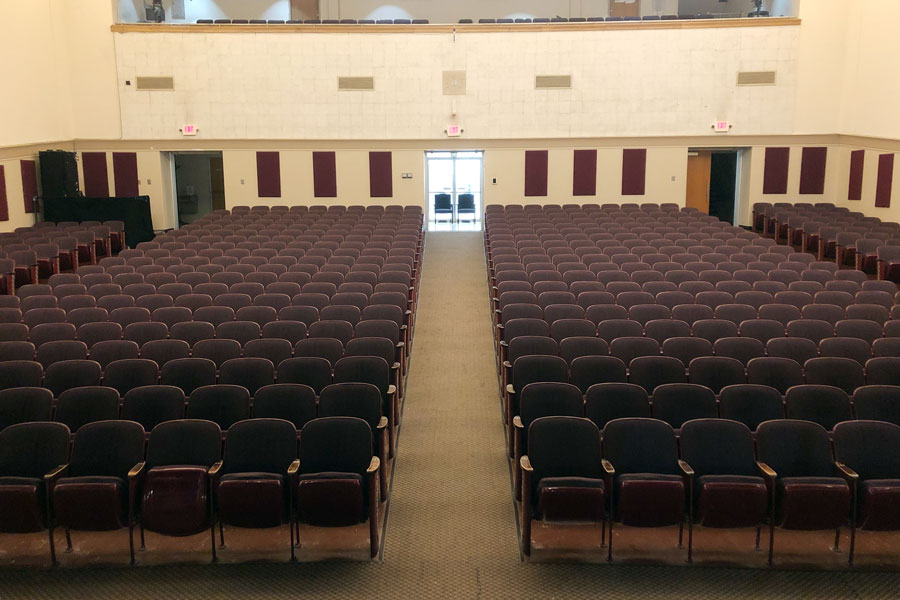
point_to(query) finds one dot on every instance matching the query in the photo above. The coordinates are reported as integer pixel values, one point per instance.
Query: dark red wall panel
(885, 180)
(857, 164)
(125, 174)
(634, 171)
(96, 179)
(536, 172)
(324, 175)
(381, 184)
(584, 173)
(4, 205)
(775, 174)
(812, 170)
(29, 184)
(268, 174)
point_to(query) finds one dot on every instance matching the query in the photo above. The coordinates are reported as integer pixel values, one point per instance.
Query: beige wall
(871, 85)
(90, 69)
(34, 73)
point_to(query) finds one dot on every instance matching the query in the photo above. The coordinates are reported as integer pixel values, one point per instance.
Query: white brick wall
(625, 83)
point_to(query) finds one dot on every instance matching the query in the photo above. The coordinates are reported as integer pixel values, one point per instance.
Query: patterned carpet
(451, 530)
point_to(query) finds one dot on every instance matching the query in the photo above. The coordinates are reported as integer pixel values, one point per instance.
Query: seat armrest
(396, 365)
(510, 389)
(294, 468)
(503, 343)
(137, 470)
(391, 390)
(215, 469)
(401, 344)
(51, 477)
(846, 472)
(685, 468)
(517, 422)
(507, 365)
(382, 423)
(766, 470)
(525, 463)
(373, 465)
(608, 467)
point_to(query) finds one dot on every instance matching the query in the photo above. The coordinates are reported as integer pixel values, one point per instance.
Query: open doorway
(454, 185)
(199, 185)
(712, 183)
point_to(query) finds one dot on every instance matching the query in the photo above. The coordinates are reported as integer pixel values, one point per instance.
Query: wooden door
(698, 169)
(217, 182)
(618, 8)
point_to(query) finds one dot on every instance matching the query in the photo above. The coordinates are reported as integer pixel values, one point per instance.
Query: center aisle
(451, 513)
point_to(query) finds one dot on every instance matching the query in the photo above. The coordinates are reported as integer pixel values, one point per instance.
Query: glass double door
(454, 186)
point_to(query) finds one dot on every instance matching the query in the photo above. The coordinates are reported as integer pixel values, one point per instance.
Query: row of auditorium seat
(693, 387)
(462, 21)
(715, 473)
(849, 238)
(183, 480)
(28, 253)
(313, 22)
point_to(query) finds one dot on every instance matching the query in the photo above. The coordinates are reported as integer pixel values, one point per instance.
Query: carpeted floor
(451, 530)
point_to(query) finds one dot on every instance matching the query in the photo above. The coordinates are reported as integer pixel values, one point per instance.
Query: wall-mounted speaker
(59, 174)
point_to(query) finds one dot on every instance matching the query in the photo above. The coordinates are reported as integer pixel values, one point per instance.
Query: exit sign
(722, 126)
(453, 131)
(189, 130)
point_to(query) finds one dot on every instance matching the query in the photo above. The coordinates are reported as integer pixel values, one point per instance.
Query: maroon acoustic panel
(381, 183)
(775, 174)
(812, 170)
(96, 180)
(125, 174)
(4, 205)
(324, 175)
(584, 173)
(885, 180)
(536, 172)
(268, 175)
(634, 171)
(29, 184)
(857, 164)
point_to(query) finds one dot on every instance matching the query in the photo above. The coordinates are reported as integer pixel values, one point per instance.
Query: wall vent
(155, 83)
(552, 81)
(756, 78)
(356, 83)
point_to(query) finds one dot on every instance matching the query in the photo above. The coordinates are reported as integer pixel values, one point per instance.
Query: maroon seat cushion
(650, 499)
(731, 500)
(91, 503)
(570, 499)
(21, 505)
(174, 500)
(251, 499)
(879, 504)
(809, 503)
(331, 499)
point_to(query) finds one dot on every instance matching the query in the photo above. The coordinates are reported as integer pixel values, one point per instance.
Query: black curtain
(134, 212)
